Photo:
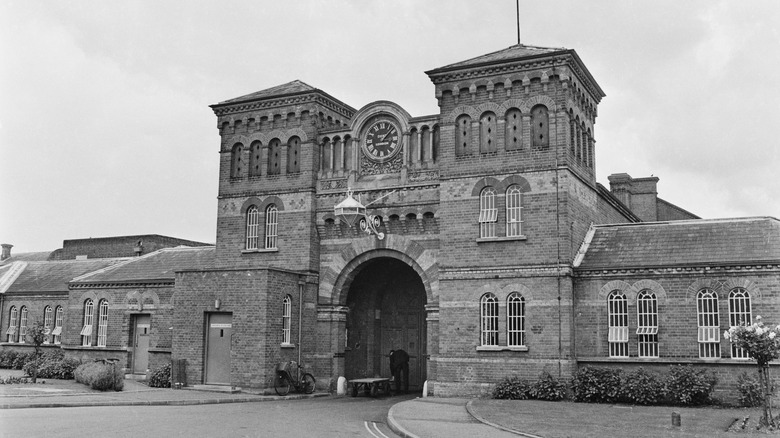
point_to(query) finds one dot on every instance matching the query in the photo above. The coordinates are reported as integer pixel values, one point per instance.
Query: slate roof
(27, 257)
(53, 276)
(513, 52)
(155, 266)
(683, 243)
(293, 87)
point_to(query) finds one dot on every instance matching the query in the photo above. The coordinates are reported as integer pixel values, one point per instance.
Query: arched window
(102, 323)
(252, 227)
(23, 325)
(271, 224)
(739, 314)
(487, 132)
(488, 213)
(425, 144)
(235, 160)
(414, 146)
(618, 324)
(513, 136)
(338, 154)
(488, 317)
(572, 134)
(515, 320)
(86, 331)
(286, 320)
(274, 150)
(647, 323)
(294, 155)
(435, 145)
(57, 332)
(255, 158)
(13, 321)
(463, 135)
(540, 128)
(709, 324)
(584, 133)
(326, 154)
(591, 158)
(514, 209)
(47, 323)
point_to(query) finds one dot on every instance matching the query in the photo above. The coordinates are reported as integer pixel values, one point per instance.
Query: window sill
(287, 345)
(500, 239)
(501, 348)
(252, 251)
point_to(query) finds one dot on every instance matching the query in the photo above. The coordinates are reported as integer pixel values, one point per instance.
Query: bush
(22, 359)
(53, 365)
(687, 386)
(101, 376)
(750, 392)
(512, 388)
(7, 358)
(548, 388)
(643, 387)
(161, 377)
(597, 385)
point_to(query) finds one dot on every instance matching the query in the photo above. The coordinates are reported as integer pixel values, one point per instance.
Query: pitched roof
(27, 257)
(158, 265)
(683, 243)
(53, 276)
(293, 87)
(512, 52)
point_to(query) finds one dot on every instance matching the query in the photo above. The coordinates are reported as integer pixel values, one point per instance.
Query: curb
(213, 401)
(395, 426)
(482, 420)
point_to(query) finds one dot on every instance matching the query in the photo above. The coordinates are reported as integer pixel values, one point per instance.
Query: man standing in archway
(399, 363)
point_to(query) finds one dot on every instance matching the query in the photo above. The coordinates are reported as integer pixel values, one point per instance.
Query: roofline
(226, 104)
(676, 207)
(688, 221)
(615, 202)
(680, 265)
(83, 278)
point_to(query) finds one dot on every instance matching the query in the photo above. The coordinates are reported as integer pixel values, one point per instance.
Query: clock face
(382, 139)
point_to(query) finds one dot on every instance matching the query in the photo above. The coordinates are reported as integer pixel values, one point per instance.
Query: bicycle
(302, 382)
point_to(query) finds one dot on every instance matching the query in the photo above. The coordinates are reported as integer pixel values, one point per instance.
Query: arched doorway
(386, 302)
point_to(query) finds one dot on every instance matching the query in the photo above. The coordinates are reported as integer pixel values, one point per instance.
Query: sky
(105, 128)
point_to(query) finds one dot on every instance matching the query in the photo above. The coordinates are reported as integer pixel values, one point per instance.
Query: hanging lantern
(350, 209)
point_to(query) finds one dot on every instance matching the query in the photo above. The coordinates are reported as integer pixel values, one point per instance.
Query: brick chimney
(638, 194)
(6, 251)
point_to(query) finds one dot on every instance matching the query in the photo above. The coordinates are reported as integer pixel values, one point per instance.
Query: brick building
(499, 254)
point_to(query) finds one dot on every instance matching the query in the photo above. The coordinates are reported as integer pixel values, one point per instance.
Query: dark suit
(399, 363)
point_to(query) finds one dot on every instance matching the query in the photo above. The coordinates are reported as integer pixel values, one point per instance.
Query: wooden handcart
(370, 386)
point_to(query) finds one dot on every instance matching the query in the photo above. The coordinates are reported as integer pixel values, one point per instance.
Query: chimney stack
(6, 251)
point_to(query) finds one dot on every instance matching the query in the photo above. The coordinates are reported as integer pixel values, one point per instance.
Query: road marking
(378, 433)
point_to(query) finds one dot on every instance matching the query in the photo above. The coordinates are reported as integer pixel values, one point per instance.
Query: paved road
(319, 417)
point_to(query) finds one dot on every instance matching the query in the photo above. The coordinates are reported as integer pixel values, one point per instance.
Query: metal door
(219, 327)
(141, 344)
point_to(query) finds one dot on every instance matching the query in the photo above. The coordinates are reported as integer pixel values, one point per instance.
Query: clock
(382, 139)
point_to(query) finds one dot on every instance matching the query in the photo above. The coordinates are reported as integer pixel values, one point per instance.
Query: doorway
(386, 304)
(219, 328)
(141, 344)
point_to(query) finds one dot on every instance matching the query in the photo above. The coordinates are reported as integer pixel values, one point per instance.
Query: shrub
(101, 376)
(687, 386)
(548, 388)
(161, 377)
(512, 388)
(22, 359)
(643, 387)
(53, 365)
(7, 358)
(596, 385)
(750, 392)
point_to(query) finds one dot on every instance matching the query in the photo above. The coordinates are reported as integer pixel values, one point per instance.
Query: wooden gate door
(403, 327)
(218, 331)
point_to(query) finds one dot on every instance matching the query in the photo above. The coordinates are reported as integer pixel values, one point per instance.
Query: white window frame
(647, 324)
(617, 306)
(740, 313)
(57, 332)
(86, 331)
(488, 317)
(47, 320)
(102, 323)
(515, 320)
(286, 320)
(271, 226)
(13, 320)
(708, 319)
(488, 213)
(514, 211)
(252, 227)
(23, 325)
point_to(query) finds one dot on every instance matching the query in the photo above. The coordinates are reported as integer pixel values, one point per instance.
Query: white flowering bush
(762, 344)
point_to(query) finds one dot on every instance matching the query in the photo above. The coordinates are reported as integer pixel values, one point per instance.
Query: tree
(762, 344)
(37, 335)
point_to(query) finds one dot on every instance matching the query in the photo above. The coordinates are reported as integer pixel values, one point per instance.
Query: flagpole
(517, 2)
